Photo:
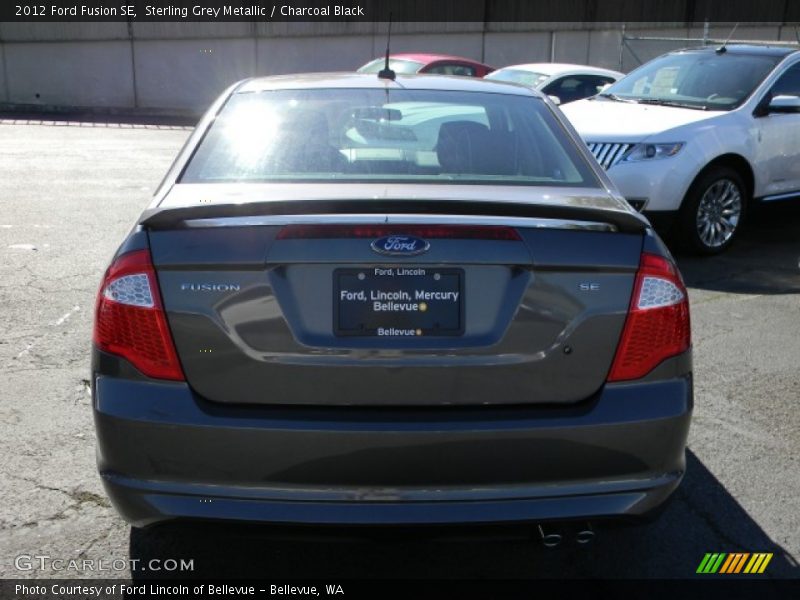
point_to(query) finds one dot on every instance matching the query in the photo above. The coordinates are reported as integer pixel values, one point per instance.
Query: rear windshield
(348, 135)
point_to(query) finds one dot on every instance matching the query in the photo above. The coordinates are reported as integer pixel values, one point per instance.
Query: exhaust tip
(550, 539)
(585, 535)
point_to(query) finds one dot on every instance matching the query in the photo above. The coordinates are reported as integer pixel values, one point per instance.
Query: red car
(438, 64)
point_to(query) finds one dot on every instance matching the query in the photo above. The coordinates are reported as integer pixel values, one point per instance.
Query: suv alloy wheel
(712, 212)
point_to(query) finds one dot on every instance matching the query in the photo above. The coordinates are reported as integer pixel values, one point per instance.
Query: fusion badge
(210, 287)
(400, 245)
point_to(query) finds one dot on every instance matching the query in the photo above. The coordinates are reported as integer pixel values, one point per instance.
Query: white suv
(692, 137)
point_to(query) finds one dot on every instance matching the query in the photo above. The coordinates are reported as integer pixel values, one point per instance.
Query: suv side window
(788, 84)
(576, 87)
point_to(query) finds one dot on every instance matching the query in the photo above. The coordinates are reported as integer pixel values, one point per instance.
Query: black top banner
(633, 11)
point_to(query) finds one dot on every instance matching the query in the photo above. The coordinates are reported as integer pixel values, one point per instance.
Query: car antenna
(386, 72)
(722, 49)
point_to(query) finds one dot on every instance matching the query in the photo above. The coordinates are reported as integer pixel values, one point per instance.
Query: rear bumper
(164, 453)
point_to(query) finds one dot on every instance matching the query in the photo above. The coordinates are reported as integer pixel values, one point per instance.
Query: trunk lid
(271, 305)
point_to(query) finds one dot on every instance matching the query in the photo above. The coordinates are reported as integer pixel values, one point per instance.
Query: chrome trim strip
(612, 149)
(602, 153)
(612, 158)
(786, 196)
(400, 219)
(622, 153)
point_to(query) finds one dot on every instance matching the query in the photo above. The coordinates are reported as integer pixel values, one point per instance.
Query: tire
(712, 212)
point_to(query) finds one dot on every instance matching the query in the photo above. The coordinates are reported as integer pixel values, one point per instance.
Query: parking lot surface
(69, 193)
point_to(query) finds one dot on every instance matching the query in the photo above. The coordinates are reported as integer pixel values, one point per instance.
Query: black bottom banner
(367, 589)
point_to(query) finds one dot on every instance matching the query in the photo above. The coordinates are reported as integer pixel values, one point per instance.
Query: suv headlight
(653, 151)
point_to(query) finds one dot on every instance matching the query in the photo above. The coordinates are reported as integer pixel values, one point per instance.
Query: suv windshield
(352, 135)
(693, 79)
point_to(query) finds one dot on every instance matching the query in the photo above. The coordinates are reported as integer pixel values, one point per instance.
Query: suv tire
(712, 212)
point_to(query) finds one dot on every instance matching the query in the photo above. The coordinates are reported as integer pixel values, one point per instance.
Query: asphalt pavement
(68, 194)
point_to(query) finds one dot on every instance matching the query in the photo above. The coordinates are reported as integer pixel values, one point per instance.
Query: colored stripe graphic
(754, 563)
(740, 563)
(717, 564)
(727, 564)
(730, 564)
(758, 563)
(722, 563)
(711, 562)
(765, 563)
(703, 563)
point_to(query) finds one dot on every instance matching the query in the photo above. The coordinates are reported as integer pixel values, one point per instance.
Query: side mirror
(784, 104)
(555, 100)
(603, 88)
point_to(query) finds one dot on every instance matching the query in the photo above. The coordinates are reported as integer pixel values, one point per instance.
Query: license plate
(398, 302)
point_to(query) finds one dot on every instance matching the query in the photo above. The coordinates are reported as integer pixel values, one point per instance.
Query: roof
(557, 68)
(372, 81)
(749, 49)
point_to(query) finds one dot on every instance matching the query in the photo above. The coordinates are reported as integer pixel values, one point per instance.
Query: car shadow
(703, 517)
(764, 260)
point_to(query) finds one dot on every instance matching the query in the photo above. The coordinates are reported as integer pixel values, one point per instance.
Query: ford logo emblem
(400, 245)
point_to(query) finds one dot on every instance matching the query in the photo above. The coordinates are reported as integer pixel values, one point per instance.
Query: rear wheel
(713, 211)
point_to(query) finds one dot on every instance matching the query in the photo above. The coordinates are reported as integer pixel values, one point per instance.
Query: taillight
(453, 232)
(657, 326)
(130, 321)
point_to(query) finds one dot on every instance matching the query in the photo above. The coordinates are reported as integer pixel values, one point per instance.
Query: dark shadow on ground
(703, 517)
(764, 260)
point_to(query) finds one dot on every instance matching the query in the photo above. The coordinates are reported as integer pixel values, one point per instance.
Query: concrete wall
(512, 47)
(183, 66)
(76, 74)
(279, 55)
(190, 73)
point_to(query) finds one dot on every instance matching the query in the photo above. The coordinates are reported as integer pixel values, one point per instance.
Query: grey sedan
(408, 300)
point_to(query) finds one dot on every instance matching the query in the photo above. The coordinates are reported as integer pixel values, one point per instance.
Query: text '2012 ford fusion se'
(410, 300)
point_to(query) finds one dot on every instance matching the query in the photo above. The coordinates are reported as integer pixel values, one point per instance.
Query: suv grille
(608, 154)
